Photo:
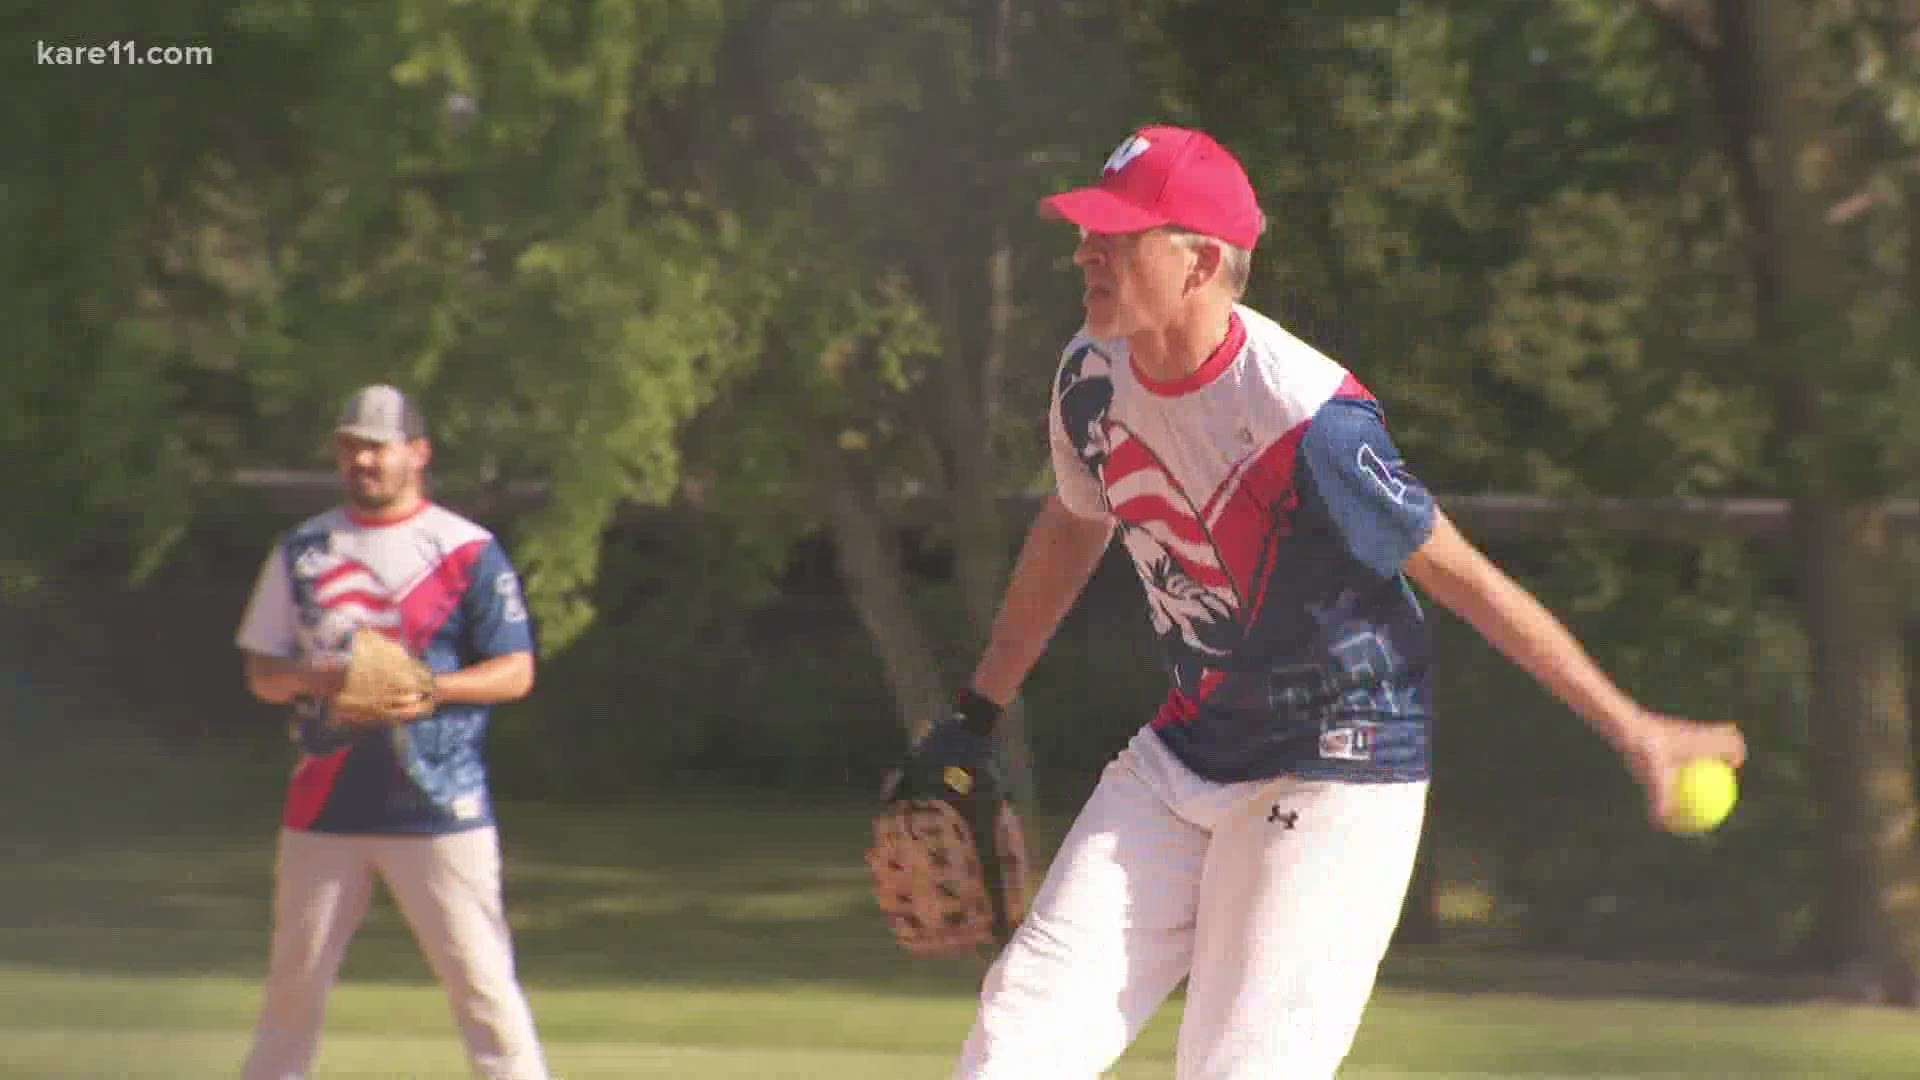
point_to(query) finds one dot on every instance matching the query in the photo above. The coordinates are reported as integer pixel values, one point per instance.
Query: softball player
(409, 804)
(1257, 836)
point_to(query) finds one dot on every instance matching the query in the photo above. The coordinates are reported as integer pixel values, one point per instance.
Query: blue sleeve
(496, 611)
(1377, 506)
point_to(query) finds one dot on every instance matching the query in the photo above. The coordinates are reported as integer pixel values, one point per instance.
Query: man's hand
(384, 685)
(279, 680)
(1657, 746)
(390, 712)
(929, 765)
(322, 678)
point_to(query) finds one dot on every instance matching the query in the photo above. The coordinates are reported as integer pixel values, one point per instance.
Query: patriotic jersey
(434, 581)
(1268, 515)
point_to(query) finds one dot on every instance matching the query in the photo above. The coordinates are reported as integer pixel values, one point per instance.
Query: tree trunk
(1860, 743)
(1797, 162)
(1000, 249)
(867, 554)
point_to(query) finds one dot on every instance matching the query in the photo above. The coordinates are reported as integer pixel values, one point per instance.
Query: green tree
(1809, 104)
(878, 149)
(460, 197)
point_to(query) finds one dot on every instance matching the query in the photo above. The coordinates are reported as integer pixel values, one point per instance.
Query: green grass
(711, 936)
(101, 1025)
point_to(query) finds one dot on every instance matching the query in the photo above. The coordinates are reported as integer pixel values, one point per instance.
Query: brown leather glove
(383, 685)
(949, 858)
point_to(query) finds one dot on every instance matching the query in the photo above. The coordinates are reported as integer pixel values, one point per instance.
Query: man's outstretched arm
(1455, 573)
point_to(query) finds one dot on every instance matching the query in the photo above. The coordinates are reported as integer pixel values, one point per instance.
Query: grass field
(718, 937)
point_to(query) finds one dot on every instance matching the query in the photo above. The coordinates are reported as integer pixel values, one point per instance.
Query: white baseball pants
(1274, 899)
(448, 890)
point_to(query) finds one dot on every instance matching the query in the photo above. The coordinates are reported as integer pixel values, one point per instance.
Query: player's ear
(422, 453)
(1209, 263)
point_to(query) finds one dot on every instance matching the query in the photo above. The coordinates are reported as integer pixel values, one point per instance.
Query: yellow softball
(1704, 792)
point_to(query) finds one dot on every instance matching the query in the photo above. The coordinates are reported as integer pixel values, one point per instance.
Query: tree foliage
(461, 198)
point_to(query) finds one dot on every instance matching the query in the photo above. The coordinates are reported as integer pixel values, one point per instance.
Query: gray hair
(1236, 263)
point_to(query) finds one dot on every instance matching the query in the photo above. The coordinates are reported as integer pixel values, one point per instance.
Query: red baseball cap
(1167, 176)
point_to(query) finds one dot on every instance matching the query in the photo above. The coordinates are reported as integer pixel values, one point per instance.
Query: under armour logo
(1287, 818)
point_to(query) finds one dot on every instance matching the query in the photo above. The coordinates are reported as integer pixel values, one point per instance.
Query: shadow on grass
(161, 867)
(132, 871)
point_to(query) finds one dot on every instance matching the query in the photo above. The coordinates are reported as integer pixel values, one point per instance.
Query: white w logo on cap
(1124, 154)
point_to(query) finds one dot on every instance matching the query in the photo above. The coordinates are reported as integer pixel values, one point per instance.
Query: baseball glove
(949, 859)
(383, 684)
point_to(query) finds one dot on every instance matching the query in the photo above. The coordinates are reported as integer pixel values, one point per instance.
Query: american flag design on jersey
(1266, 513)
(437, 583)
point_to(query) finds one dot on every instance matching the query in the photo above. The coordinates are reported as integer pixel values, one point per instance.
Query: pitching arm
(1455, 573)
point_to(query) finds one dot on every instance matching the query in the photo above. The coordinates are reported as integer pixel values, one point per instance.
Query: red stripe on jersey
(1177, 709)
(427, 606)
(1127, 456)
(1257, 514)
(1227, 487)
(1351, 390)
(1164, 521)
(371, 601)
(313, 781)
(1146, 508)
(1162, 505)
(1180, 708)
(345, 569)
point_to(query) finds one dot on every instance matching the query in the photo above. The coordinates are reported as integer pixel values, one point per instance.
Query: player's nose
(1087, 252)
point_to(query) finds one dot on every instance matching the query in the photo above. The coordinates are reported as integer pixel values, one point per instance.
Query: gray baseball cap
(383, 414)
